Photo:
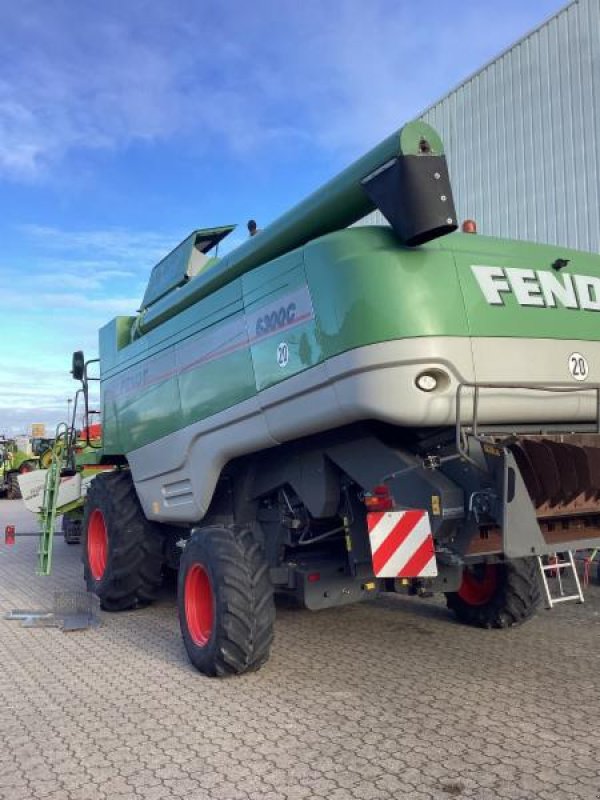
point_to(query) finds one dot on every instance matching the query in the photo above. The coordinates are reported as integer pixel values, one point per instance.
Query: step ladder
(558, 566)
(49, 502)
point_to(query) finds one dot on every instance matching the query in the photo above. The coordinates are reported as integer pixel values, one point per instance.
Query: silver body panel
(175, 477)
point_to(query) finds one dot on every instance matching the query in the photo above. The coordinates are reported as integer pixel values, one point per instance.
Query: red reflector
(9, 534)
(313, 577)
(379, 499)
(469, 226)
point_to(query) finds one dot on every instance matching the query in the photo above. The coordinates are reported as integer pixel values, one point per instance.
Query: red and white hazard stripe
(401, 544)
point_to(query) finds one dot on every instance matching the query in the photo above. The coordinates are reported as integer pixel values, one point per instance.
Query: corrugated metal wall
(523, 135)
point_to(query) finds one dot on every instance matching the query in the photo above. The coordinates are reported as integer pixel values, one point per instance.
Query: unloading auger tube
(405, 177)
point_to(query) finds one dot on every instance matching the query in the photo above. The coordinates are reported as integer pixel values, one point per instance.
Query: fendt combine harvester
(328, 412)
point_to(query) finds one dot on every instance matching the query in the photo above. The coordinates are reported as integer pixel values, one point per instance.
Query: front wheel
(122, 550)
(225, 599)
(498, 595)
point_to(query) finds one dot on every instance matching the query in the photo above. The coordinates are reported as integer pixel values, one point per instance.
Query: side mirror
(78, 365)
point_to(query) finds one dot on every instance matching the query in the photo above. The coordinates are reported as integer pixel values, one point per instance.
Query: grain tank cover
(184, 262)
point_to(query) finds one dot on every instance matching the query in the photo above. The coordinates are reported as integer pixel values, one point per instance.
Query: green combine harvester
(330, 412)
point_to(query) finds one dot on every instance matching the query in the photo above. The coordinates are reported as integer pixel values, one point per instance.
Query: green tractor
(13, 462)
(42, 448)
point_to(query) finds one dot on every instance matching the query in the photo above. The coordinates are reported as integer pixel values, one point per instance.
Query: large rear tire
(122, 550)
(225, 599)
(498, 595)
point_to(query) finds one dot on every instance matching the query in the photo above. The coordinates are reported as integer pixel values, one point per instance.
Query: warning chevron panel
(401, 544)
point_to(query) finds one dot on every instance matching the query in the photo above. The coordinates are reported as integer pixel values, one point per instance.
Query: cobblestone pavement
(383, 701)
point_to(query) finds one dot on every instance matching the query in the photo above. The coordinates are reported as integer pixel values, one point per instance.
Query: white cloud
(110, 247)
(85, 283)
(59, 305)
(249, 78)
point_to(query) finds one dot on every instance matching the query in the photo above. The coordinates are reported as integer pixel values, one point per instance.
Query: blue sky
(125, 125)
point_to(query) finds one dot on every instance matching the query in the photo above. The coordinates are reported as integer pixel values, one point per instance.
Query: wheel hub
(199, 605)
(477, 589)
(97, 544)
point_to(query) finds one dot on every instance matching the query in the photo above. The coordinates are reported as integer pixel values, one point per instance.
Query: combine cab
(329, 412)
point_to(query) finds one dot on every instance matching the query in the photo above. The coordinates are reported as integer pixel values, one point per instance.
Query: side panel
(214, 370)
(189, 368)
(526, 290)
(280, 320)
(367, 289)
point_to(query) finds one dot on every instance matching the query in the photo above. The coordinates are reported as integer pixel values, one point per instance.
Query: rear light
(426, 382)
(433, 380)
(469, 226)
(380, 499)
(313, 577)
(9, 534)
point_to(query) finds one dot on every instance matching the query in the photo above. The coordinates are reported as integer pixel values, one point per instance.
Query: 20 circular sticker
(283, 354)
(578, 367)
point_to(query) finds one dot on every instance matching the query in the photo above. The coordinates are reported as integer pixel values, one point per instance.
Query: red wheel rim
(199, 605)
(478, 589)
(97, 544)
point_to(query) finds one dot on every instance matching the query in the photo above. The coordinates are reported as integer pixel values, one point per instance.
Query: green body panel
(512, 318)
(264, 289)
(367, 289)
(186, 369)
(349, 289)
(88, 457)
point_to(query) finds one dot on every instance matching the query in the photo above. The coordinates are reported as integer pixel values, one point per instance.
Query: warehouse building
(523, 135)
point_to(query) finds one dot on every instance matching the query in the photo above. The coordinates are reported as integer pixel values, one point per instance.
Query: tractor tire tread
(243, 630)
(14, 491)
(133, 573)
(516, 600)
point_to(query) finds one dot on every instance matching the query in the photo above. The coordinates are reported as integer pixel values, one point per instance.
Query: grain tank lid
(182, 263)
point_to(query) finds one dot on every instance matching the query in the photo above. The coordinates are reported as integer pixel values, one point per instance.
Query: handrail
(460, 429)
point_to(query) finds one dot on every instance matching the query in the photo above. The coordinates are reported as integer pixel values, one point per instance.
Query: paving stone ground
(382, 701)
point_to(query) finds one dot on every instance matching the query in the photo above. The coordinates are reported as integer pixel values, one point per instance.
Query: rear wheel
(225, 598)
(497, 595)
(122, 550)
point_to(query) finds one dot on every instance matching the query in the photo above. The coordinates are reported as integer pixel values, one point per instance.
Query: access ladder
(51, 488)
(557, 566)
